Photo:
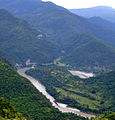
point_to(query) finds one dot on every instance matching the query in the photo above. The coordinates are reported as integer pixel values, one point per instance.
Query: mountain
(102, 22)
(19, 41)
(56, 21)
(65, 30)
(104, 12)
(26, 98)
(90, 54)
(7, 111)
(95, 94)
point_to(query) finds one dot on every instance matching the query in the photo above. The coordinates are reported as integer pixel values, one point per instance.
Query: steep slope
(65, 30)
(57, 22)
(7, 111)
(90, 54)
(20, 41)
(105, 12)
(95, 94)
(102, 22)
(26, 98)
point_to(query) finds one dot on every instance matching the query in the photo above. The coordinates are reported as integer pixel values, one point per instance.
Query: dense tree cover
(7, 111)
(26, 98)
(19, 41)
(95, 94)
(90, 54)
(55, 20)
(106, 116)
(61, 31)
(74, 35)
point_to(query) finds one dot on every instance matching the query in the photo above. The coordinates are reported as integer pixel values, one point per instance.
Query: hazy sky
(83, 3)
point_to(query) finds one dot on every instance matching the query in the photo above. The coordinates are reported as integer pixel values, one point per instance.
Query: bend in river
(61, 107)
(81, 74)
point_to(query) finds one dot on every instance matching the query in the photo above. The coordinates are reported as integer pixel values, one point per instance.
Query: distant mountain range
(56, 21)
(104, 12)
(79, 38)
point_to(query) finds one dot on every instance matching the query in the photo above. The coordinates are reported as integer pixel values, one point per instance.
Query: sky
(83, 3)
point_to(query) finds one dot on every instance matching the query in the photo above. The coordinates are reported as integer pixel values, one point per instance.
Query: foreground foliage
(106, 116)
(7, 112)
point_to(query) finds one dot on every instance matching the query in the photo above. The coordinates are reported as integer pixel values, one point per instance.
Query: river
(61, 107)
(81, 74)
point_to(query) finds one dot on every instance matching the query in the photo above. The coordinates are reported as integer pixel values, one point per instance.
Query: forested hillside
(52, 40)
(26, 98)
(60, 24)
(90, 54)
(19, 41)
(75, 36)
(7, 112)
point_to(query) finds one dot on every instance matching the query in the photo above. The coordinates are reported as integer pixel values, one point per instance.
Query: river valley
(61, 107)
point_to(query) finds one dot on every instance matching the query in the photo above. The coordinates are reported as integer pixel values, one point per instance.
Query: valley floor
(42, 89)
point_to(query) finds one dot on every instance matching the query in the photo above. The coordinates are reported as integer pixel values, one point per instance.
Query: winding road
(61, 107)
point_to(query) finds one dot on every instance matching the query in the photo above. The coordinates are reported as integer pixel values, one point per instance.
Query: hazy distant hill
(19, 41)
(105, 12)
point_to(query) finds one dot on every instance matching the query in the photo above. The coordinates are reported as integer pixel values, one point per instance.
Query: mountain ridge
(22, 40)
(55, 20)
(106, 12)
(65, 31)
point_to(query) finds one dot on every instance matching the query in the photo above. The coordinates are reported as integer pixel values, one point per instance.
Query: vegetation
(95, 94)
(106, 116)
(26, 98)
(90, 55)
(23, 42)
(80, 41)
(56, 21)
(7, 112)
(80, 44)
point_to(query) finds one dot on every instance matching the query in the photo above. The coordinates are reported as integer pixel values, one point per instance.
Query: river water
(61, 107)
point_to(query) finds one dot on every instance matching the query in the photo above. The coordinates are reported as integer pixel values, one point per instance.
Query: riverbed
(81, 74)
(60, 106)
